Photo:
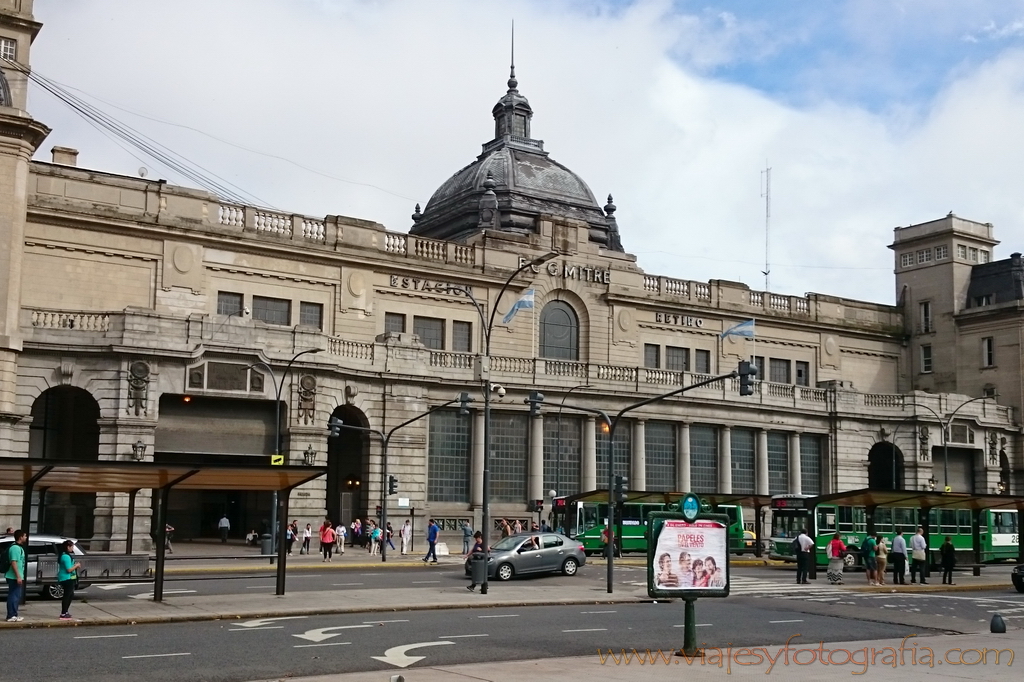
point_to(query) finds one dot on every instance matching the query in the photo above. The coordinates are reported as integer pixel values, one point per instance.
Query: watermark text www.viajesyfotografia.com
(788, 654)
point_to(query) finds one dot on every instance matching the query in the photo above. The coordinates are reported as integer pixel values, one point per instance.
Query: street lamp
(139, 450)
(946, 424)
(278, 386)
(485, 378)
(335, 425)
(309, 456)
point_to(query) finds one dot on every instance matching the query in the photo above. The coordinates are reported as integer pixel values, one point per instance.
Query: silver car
(527, 553)
(39, 546)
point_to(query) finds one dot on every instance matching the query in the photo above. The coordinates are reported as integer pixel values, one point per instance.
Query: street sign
(277, 460)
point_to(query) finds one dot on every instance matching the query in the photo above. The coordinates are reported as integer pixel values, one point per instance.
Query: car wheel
(570, 567)
(849, 561)
(54, 591)
(505, 572)
(1018, 583)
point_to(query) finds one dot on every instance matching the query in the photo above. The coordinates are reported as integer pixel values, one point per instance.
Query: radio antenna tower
(766, 193)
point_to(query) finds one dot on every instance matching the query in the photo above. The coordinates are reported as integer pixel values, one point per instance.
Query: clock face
(691, 507)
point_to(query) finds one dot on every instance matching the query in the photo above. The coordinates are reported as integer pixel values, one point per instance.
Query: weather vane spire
(512, 82)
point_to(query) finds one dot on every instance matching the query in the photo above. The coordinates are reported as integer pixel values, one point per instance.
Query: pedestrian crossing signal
(277, 460)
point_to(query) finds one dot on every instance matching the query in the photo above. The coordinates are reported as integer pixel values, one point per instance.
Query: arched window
(559, 332)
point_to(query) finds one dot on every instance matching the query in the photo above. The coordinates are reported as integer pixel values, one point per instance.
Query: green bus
(792, 513)
(584, 516)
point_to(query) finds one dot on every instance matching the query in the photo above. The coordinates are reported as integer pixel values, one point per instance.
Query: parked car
(46, 547)
(527, 553)
(1017, 576)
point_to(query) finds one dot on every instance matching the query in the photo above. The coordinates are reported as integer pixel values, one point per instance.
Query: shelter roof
(126, 476)
(913, 498)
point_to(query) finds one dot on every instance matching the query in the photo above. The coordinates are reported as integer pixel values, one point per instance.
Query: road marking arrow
(320, 634)
(118, 586)
(150, 595)
(265, 621)
(397, 657)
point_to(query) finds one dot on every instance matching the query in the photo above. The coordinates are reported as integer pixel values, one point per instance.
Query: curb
(925, 589)
(272, 568)
(203, 617)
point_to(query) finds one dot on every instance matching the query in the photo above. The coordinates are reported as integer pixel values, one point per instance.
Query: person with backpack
(67, 576)
(17, 567)
(867, 555)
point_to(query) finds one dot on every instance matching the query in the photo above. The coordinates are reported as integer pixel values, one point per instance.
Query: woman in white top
(306, 535)
(405, 532)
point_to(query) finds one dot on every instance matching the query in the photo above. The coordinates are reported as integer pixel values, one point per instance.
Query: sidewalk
(742, 664)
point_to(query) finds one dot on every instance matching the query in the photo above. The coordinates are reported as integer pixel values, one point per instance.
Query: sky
(871, 114)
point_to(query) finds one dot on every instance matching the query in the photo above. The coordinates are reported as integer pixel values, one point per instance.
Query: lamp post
(139, 450)
(309, 456)
(485, 380)
(558, 443)
(335, 424)
(278, 386)
(945, 425)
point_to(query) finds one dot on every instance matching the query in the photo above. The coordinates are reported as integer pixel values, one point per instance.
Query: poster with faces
(691, 556)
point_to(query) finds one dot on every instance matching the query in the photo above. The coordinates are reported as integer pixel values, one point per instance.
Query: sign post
(688, 558)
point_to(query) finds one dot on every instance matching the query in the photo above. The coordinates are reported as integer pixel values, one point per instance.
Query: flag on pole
(525, 301)
(742, 329)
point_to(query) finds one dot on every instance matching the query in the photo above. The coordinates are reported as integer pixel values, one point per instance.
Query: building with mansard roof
(135, 312)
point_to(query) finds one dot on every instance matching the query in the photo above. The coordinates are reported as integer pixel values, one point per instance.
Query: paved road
(344, 643)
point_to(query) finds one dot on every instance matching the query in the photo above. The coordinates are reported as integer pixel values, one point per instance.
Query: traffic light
(464, 400)
(392, 485)
(334, 425)
(747, 372)
(538, 505)
(621, 483)
(534, 400)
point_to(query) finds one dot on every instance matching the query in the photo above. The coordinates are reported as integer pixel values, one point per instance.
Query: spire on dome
(512, 82)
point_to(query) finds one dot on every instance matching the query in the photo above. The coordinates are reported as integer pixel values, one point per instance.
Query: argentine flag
(741, 329)
(525, 301)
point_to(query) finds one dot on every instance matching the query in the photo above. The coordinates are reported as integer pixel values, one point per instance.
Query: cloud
(397, 95)
(992, 31)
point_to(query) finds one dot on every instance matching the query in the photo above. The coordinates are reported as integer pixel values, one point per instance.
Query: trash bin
(266, 544)
(478, 568)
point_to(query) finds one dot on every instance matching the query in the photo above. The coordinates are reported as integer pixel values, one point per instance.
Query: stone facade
(162, 308)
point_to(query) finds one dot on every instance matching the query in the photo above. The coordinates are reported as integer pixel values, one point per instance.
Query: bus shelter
(31, 474)
(925, 502)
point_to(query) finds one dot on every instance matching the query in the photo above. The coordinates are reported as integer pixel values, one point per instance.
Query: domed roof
(521, 180)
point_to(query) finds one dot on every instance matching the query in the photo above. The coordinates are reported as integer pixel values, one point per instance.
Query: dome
(518, 180)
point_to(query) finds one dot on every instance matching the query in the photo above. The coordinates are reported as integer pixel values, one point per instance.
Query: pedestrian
(506, 529)
(432, 533)
(803, 545)
(478, 548)
(342, 533)
(67, 576)
(357, 528)
(8, 531)
(168, 532)
(390, 534)
(406, 535)
(467, 536)
(918, 557)
(15, 575)
(881, 558)
(307, 535)
(948, 557)
(327, 540)
(868, 554)
(289, 537)
(898, 558)
(835, 551)
(225, 526)
(518, 527)
(377, 538)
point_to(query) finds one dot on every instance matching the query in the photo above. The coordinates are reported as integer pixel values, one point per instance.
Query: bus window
(789, 525)
(883, 520)
(947, 522)
(860, 520)
(933, 520)
(963, 520)
(591, 519)
(731, 512)
(632, 512)
(1004, 522)
(826, 521)
(905, 519)
(845, 519)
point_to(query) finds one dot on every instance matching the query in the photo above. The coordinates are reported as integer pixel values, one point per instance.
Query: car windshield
(510, 542)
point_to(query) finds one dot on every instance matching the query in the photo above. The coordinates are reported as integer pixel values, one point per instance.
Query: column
(795, 481)
(476, 477)
(683, 457)
(761, 463)
(588, 458)
(725, 460)
(638, 472)
(535, 472)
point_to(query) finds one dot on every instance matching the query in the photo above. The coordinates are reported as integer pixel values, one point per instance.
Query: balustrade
(451, 360)
(314, 230)
(86, 322)
(274, 223)
(677, 287)
(349, 349)
(233, 216)
(395, 243)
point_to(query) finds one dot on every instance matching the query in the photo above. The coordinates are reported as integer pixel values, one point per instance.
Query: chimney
(65, 156)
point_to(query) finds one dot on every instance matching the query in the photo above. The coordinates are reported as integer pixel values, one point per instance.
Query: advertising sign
(687, 557)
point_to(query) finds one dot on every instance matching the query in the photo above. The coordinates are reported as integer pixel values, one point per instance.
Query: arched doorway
(65, 427)
(348, 457)
(883, 474)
